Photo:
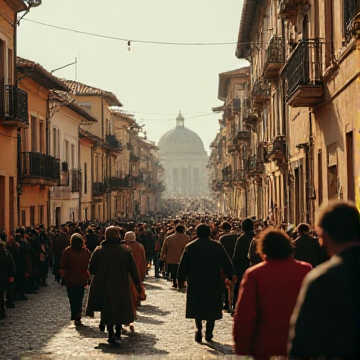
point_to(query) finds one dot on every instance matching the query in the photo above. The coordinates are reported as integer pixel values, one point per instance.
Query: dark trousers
(76, 295)
(2, 305)
(172, 270)
(10, 294)
(156, 263)
(210, 324)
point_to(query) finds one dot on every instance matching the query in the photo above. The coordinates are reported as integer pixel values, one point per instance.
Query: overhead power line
(129, 40)
(188, 118)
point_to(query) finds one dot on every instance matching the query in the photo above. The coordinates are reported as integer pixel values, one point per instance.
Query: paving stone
(40, 329)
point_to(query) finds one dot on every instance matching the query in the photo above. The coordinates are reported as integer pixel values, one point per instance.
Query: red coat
(267, 297)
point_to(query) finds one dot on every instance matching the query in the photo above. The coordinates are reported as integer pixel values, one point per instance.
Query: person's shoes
(77, 322)
(112, 341)
(117, 334)
(198, 336)
(208, 337)
(10, 305)
(23, 297)
(226, 307)
(132, 328)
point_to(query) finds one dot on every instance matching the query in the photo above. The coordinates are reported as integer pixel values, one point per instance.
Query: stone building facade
(183, 156)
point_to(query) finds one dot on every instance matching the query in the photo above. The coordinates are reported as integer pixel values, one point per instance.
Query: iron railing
(261, 90)
(40, 166)
(304, 67)
(98, 188)
(242, 135)
(350, 9)
(13, 103)
(254, 165)
(240, 175)
(275, 51)
(227, 173)
(113, 142)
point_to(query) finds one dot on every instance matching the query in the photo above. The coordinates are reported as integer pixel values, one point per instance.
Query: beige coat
(173, 248)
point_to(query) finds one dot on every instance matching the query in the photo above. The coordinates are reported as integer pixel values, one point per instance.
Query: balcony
(113, 142)
(255, 167)
(14, 106)
(277, 151)
(161, 187)
(240, 176)
(250, 117)
(274, 58)
(98, 188)
(134, 158)
(288, 9)
(115, 183)
(264, 152)
(236, 105)
(261, 92)
(227, 174)
(39, 169)
(75, 178)
(351, 28)
(232, 148)
(303, 73)
(242, 136)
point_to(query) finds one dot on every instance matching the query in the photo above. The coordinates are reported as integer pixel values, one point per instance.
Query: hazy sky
(152, 81)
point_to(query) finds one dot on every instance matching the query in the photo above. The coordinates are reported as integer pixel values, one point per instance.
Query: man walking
(326, 319)
(171, 253)
(111, 264)
(201, 265)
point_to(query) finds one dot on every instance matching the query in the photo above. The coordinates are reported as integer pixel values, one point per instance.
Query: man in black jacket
(326, 318)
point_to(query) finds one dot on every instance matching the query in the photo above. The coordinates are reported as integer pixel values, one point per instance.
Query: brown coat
(111, 264)
(75, 265)
(60, 244)
(173, 248)
(139, 257)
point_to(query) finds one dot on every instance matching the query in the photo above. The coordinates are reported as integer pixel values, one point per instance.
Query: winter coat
(325, 321)
(92, 241)
(229, 241)
(60, 244)
(266, 299)
(111, 264)
(240, 259)
(173, 248)
(308, 249)
(75, 263)
(7, 268)
(139, 257)
(253, 254)
(201, 265)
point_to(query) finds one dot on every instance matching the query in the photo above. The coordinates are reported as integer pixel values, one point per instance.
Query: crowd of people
(291, 291)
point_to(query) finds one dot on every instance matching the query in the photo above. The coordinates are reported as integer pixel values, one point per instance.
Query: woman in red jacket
(74, 269)
(267, 297)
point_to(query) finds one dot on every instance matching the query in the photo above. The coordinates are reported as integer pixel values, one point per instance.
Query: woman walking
(73, 268)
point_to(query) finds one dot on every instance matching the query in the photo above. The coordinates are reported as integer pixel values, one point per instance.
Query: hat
(130, 236)
(19, 231)
(112, 232)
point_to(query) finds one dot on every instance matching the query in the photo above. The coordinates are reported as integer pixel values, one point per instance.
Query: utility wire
(127, 40)
(189, 118)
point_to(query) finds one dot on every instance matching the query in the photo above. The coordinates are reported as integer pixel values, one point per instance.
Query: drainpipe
(79, 167)
(47, 151)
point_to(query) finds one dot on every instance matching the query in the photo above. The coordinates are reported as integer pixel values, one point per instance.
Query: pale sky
(152, 81)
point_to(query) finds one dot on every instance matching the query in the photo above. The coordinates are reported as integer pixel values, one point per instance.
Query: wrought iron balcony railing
(303, 74)
(277, 150)
(98, 188)
(114, 143)
(240, 175)
(350, 9)
(39, 169)
(13, 105)
(134, 158)
(274, 58)
(242, 136)
(255, 167)
(227, 174)
(261, 91)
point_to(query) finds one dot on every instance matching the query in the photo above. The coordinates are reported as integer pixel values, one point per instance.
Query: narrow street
(40, 329)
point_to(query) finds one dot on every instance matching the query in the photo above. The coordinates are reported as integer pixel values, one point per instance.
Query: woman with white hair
(140, 260)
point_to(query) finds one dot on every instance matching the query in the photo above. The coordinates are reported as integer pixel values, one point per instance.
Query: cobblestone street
(40, 329)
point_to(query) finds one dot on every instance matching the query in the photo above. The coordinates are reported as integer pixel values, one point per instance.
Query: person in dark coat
(92, 240)
(111, 264)
(307, 248)
(60, 244)
(7, 273)
(326, 319)
(201, 265)
(74, 269)
(240, 259)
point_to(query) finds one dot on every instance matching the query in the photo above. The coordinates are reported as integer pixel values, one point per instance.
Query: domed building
(183, 156)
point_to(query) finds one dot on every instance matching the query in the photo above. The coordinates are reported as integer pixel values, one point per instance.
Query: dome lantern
(180, 120)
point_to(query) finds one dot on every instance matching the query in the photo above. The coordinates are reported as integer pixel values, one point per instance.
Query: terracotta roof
(247, 20)
(70, 103)
(17, 5)
(224, 78)
(78, 88)
(37, 73)
(123, 115)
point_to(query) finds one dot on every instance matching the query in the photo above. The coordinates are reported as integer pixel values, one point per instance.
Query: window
(34, 135)
(32, 215)
(66, 151)
(86, 106)
(320, 178)
(96, 169)
(41, 214)
(72, 156)
(42, 137)
(24, 140)
(54, 142)
(85, 178)
(10, 66)
(108, 127)
(23, 217)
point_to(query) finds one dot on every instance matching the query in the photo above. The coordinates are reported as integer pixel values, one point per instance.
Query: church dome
(181, 140)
